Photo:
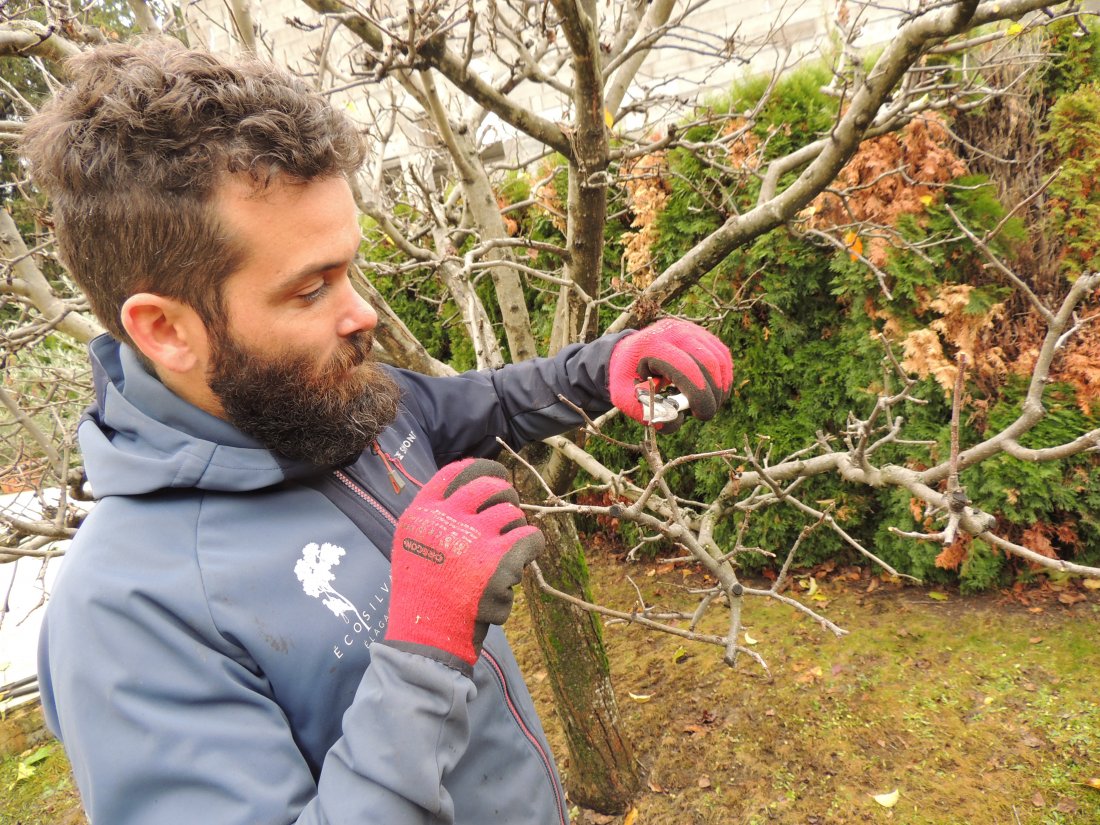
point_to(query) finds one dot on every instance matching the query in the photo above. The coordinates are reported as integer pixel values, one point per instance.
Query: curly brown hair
(132, 152)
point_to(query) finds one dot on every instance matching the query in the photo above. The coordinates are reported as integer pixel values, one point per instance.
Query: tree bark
(485, 213)
(26, 38)
(143, 16)
(242, 21)
(602, 773)
(587, 210)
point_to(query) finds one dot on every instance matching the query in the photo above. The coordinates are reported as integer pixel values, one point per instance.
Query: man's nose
(358, 315)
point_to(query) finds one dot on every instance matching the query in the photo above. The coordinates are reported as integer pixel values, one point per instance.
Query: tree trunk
(602, 774)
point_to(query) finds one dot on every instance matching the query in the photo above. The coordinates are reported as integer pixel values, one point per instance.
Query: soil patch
(974, 709)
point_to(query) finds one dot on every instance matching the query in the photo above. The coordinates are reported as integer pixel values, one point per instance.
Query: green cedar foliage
(1074, 52)
(1073, 138)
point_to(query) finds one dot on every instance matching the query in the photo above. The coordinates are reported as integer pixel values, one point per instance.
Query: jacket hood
(140, 437)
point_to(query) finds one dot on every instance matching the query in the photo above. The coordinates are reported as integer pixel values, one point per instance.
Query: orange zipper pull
(395, 479)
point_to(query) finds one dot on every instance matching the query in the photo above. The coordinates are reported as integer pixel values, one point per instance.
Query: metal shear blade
(662, 408)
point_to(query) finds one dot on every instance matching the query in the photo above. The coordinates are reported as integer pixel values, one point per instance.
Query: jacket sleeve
(396, 774)
(463, 415)
(165, 722)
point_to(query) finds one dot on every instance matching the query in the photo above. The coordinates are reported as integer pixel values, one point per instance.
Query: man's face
(292, 368)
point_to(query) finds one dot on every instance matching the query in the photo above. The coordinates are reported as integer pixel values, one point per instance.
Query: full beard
(325, 416)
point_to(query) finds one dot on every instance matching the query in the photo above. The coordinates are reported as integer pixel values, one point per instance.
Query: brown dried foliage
(951, 557)
(1078, 365)
(511, 225)
(890, 176)
(1008, 128)
(645, 180)
(546, 196)
(743, 152)
(961, 332)
(1045, 538)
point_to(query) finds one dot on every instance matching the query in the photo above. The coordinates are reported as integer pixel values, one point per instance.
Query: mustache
(355, 351)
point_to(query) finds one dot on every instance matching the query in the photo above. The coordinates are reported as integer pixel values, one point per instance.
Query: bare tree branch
(457, 72)
(28, 281)
(144, 16)
(26, 38)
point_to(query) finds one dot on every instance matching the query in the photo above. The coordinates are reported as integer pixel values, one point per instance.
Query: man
(285, 606)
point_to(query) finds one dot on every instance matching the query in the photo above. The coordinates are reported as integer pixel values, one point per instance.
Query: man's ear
(168, 332)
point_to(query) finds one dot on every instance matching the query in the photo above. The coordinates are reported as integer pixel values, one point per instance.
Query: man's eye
(315, 295)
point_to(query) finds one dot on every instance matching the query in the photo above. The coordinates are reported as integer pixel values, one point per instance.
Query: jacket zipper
(498, 672)
(350, 483)
(547, 765)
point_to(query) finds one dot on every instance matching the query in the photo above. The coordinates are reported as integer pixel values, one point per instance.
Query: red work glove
(671, 352)
(459, 549)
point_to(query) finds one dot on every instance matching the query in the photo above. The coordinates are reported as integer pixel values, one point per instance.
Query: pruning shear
(658, 408)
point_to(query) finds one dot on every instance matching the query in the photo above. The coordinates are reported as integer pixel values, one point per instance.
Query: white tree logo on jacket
(314, 571)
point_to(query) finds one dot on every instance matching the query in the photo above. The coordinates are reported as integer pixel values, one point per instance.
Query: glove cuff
(442, 656)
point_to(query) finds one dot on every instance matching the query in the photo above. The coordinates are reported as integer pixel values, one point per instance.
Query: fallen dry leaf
(1092, 584)
(1038, 800)
(631, 817)
(704, 781)
(810, 676)
(1066, 806)
(887, 800)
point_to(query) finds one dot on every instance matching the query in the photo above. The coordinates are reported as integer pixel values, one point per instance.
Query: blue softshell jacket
(207, 654)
